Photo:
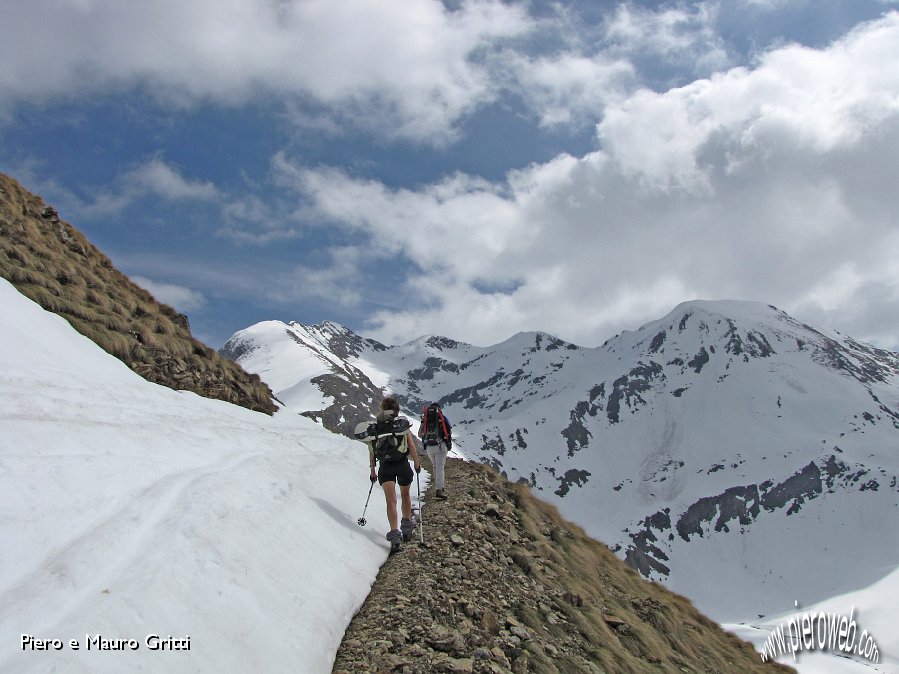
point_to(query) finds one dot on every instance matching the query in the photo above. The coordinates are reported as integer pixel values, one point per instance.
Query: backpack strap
(442, 419)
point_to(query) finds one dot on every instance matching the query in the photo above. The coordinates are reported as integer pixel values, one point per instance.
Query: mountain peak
(733, 309)
(332, 328)
(536, 340)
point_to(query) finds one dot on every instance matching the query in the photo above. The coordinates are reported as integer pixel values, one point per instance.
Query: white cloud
(153, 177)
(181, 298)
(250, 219)
(679, 33)
(835, 290)
(767, 4)
(773, 182)
(764, 184)
(859, 297)
(462, 212)
(797, 99)
(571, 86)
(568, 88)
(157, 177)
(337, 283)
(408, 67)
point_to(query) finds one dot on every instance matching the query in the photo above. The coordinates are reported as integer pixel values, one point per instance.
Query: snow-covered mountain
(317, 369)
(744, 458)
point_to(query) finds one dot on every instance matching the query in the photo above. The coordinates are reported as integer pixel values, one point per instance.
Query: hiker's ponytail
(390, 403)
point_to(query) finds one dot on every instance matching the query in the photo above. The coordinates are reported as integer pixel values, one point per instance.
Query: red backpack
(435, 427)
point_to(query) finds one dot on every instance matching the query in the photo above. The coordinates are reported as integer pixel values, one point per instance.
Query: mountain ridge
(510, 586)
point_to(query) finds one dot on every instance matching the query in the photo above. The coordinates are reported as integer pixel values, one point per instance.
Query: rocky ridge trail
(503, 584)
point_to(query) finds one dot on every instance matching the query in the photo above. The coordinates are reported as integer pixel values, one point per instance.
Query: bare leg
(407, 502)
(390, 497)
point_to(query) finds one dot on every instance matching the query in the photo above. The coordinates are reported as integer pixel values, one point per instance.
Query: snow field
(128, 509)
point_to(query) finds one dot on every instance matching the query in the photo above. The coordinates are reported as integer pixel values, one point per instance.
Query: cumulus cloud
(408, 67)
(568, 88)
(150, 177)
(770, 183)
(684, 33)
(462, 211)
(796, 99)
(598, 64)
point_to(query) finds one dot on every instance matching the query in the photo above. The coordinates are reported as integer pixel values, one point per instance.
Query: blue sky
(472, 168)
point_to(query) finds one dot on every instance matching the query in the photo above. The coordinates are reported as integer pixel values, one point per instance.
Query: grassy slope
(52, 263)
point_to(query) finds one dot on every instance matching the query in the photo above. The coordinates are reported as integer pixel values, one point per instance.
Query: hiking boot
(441, 494)
(395, 536)
(407, 527)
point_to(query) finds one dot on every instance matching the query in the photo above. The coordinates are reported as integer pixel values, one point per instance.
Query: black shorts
(398, 471)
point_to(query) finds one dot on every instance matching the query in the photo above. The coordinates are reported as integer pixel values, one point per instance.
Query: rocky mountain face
(502, 584)
(742, 457)
(312, 369)
(52, 263)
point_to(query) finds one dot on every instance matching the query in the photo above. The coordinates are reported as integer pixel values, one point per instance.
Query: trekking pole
(361, 520)
(421, 521)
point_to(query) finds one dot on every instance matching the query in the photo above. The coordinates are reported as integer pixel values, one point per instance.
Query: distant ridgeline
(53, 264)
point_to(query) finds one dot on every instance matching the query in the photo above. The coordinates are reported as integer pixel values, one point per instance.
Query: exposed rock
(741, 506)
(627, 388)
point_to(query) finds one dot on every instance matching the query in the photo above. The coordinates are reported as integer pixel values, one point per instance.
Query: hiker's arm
(371, 462)
(413, 450)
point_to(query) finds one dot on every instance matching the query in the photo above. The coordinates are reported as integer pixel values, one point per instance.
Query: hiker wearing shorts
(396, 472)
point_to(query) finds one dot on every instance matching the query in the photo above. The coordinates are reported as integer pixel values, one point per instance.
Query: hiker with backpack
(390, 445)
(437, 437)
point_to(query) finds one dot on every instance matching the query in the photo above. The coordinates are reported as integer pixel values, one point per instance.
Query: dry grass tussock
(53, 264)
(657, 629)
